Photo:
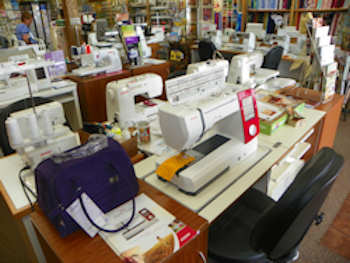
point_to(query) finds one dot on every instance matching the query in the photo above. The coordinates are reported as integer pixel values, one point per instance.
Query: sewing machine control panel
(249, 113)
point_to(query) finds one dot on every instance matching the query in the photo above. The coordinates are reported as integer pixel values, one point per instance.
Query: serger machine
(211, 129)
(120, 96)
(240, 41)
(38, 134)
(105, 60)
(245, 69)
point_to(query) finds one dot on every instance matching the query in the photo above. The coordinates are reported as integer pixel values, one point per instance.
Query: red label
(185, 234)
(249, 114)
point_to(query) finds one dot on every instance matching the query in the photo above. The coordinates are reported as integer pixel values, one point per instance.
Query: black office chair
(258, 229)
(273, 58)
(206, 50)
(5, 113)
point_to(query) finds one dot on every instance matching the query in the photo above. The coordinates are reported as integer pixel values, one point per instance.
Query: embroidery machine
(240, 41)
(20, 72)
(99, 60)
(120, 98)
(245, 69)
(211, 127)
(36, 134)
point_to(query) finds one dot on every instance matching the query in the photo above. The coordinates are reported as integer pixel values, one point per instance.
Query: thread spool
(47, 124)
(33, 127)
(13, 132)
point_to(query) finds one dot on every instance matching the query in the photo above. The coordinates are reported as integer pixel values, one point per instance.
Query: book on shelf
(153, 234)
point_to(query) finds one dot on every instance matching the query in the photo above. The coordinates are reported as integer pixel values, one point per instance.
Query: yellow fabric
(169, 167)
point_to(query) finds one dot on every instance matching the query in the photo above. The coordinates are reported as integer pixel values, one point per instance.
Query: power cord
(26, 188)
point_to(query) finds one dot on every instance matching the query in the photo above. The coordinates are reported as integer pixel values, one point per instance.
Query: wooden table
(79, 247)
(79, 244)
(15, 224)
(92, 89)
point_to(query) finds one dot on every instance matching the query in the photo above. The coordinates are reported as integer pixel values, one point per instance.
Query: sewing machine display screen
(40, 73)
(248, 108)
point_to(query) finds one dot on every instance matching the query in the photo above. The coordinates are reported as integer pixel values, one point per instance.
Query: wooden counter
(79, 247)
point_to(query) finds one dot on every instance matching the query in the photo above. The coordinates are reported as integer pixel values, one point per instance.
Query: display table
(319, 130)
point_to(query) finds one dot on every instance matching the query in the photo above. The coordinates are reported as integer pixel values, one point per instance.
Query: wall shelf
(341, 9)
(268, 10)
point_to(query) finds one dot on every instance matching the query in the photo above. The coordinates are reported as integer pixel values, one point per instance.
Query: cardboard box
(268, 127)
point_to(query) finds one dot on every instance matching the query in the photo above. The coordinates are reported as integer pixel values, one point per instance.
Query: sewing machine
(211, 127)
(245, 69)
(21, 72)
(233, 124)
(99, 60)
(278, 40)
(297, 40)
(120, 98)
(257, 29)
(208, 31)
(240, 41)
(208, 65)
(38, 134)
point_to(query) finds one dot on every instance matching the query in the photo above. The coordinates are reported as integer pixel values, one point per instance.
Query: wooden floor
(337, 238)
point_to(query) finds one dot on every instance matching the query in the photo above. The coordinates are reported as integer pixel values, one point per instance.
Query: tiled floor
(311, 250)
(337, 238)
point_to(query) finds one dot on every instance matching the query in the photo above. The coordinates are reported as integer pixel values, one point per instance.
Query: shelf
(160, 8)
(268, 10)
(162, 17)
(340, 9)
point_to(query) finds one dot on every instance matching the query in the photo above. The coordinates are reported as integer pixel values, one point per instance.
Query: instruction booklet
(153, 234)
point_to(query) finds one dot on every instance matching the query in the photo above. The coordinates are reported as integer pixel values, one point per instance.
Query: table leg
(33, 239)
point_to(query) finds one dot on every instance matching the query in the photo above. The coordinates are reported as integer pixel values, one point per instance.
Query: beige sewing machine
(210, 126)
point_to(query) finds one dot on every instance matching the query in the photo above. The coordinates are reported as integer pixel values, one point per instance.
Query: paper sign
(76, 212)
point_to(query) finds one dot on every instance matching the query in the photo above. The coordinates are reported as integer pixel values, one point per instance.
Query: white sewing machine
(297, 40)
(279, 40)
(245, 69)
(120, 98)
(257, 29)
(17, 74)
(240, 41)
(99, 60)
(208, 65)
(214, 124)
(38, 136)
(233, 125)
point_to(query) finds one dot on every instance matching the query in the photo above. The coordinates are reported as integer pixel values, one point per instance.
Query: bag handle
(94, 223)
(101, 228)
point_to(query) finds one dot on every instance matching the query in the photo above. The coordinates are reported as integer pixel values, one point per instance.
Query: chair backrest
(206, 49)
(273, 58)
(5, 113)
(282, 228)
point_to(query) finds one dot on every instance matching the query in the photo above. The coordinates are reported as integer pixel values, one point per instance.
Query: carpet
(337, 237)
